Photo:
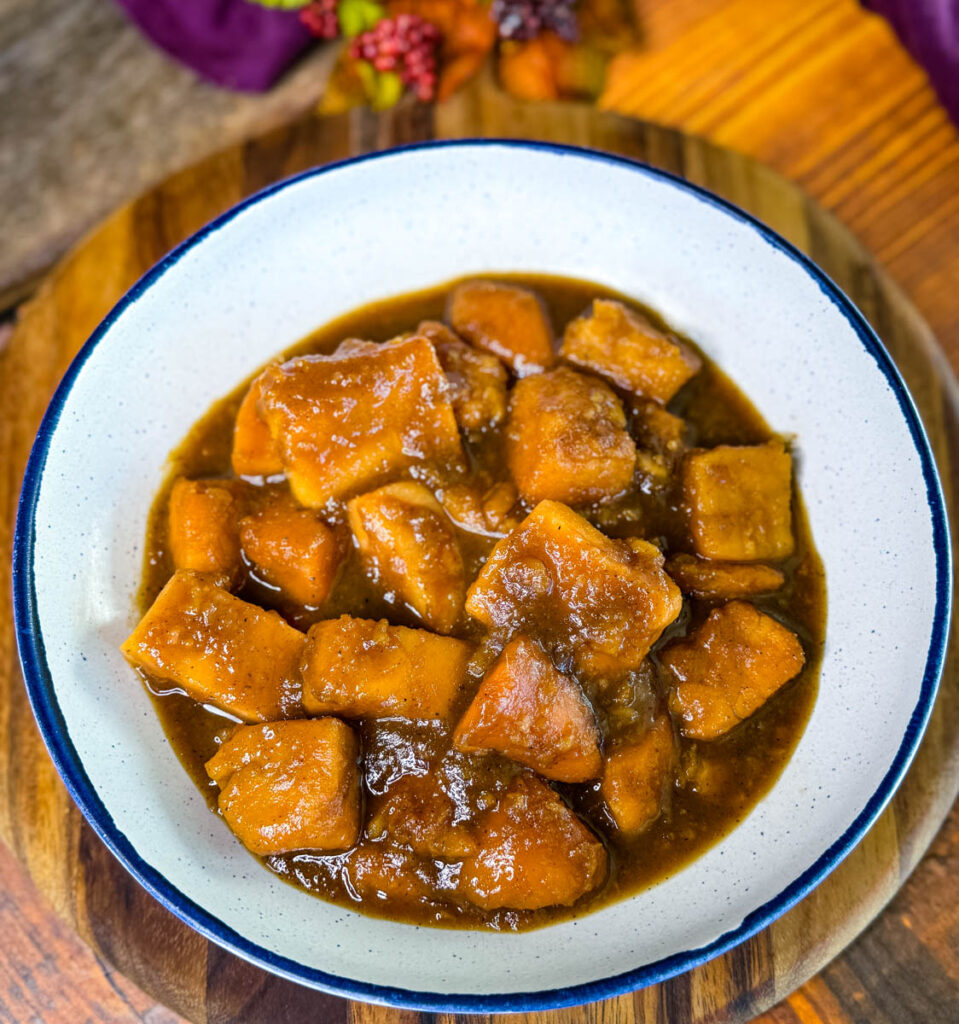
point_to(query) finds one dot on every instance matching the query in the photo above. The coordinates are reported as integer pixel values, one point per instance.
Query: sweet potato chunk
(409, 549)
(477, 380)
(506, 320)
(361, 668)
(219, 650)
(740, 501)
(380, 873)
(658, 430)
(486, 511)
(722, 580)
(254, 450)
(728, 668)
(636, 777)
(534, 852)
(566, 439)
(415, 812)
(603, 601)
(351, 420)
(293, 549)
(531, 713)
(623, 346)
(289, 786)
(203, 527)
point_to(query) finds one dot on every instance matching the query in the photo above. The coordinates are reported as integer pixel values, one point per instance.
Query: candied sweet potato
(254, 450)
(506, 320)
(381, 873)
(566, 439)
(477, 380)
(740, 501)
(707, 773)
(409, 549)
(636, 776)
(293, 549)
(728, 668)
(219, 650)
(534, 852)
(487, 511)
(351, 420)
(288, 786)
(528, 711)
(704, 578)
(361, 668)
(416, 812)
(605, 601)
(658, 430)
(621, 345)
(203, 531)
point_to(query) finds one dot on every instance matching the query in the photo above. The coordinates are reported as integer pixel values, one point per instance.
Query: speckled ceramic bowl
(307, 250)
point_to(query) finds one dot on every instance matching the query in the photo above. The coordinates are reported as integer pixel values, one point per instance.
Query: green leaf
(357, 16)
(287, 5)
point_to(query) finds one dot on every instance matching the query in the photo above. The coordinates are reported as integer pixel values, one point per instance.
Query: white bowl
(305, 251)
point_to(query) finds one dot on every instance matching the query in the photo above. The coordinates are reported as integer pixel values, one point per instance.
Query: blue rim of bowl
(53, 727)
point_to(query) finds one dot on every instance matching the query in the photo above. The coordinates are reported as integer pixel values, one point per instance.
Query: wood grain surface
(48, 974)
(173, 964)
(91, 114)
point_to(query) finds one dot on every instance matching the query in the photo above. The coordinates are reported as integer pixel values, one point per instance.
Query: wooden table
(820, 91)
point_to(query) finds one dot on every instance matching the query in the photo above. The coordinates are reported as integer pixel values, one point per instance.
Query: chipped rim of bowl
(67, 761)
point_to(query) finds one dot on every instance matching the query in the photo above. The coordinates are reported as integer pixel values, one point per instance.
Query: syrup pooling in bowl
(434, 794)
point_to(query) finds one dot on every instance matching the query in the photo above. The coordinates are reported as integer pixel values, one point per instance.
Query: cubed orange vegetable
(704, 578)
(728, 668)
(534, 852)
(477, 380)
(293, 549)
(637, 775)
(707, 773)
(528, 711)
(288, 786)
(203, 530)
(491, 512)
(378, 872)
(348, 421)
(254, 450)
(566, 439)
(604, 601)
(657, 430)
(621, 345)
(361, 668)
(509, 321)
(415, 812)
(219, 650)
(740, 501)
(408, 548)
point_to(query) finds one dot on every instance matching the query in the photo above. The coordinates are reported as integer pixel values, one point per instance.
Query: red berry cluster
(405, 44)
(321, 19)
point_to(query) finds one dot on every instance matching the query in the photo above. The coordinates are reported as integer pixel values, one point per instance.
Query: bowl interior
(327, 242)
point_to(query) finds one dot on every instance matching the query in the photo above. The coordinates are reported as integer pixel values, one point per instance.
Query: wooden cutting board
(38, 819)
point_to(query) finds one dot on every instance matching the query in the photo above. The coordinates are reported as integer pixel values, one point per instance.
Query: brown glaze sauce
(717, 783)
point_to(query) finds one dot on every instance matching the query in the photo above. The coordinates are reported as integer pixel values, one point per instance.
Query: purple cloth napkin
(929, 29)
(231, 42)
